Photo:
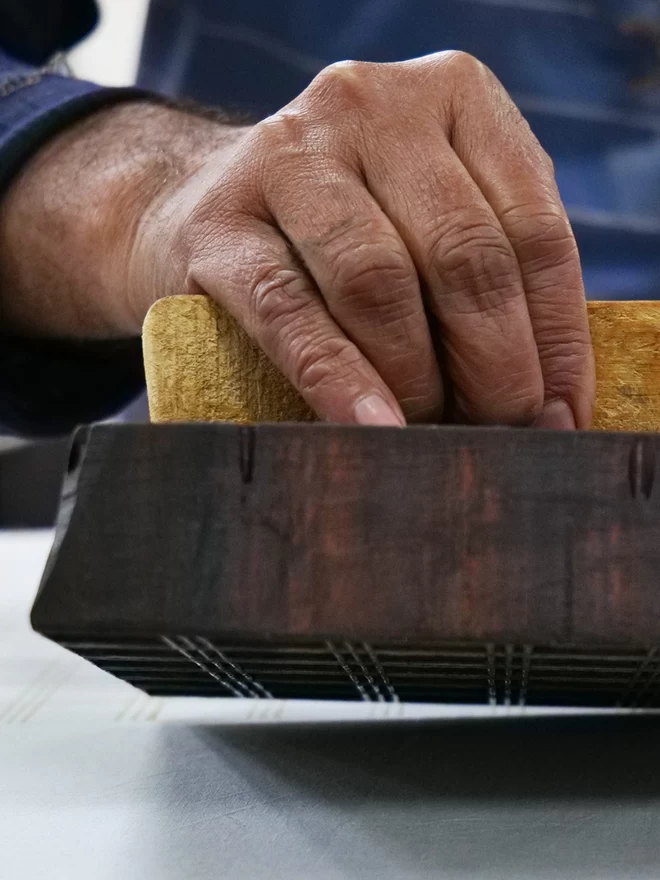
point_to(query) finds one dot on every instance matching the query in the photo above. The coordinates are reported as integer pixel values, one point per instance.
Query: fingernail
(557, 415)
(373, 410)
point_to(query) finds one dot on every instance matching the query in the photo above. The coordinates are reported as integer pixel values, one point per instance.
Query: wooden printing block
(223, 556)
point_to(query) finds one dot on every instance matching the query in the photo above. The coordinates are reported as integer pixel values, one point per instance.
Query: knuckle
(463, 66)
(317, 363)
(343, 83)
(285, 327)
(277, 296)
(542, 233)
(280, 130)
(365, 271)
(367, 268)
(476, 266)
(371, 277)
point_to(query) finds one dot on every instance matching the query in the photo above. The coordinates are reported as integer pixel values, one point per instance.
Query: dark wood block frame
(431, 563)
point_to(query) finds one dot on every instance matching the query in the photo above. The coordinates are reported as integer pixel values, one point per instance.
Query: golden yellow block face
(626, 337)
(201, 366)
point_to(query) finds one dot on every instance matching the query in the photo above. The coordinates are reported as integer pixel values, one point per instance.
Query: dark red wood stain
(289, 533)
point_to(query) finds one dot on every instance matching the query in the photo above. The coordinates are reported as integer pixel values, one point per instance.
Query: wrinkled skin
(395, 241)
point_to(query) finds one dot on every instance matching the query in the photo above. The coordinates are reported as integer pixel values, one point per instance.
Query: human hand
(393, 239)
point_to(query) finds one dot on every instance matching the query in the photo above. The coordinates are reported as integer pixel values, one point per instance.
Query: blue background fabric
(587, 82)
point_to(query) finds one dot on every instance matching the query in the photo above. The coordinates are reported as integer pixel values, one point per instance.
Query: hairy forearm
(68, 222)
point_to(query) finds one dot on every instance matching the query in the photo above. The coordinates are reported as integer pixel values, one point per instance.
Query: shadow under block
(428, 564)
(201, 366)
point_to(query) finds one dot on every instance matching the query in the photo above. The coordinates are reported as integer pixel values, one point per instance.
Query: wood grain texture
(201, 366)
(498, 544)
(626, 337)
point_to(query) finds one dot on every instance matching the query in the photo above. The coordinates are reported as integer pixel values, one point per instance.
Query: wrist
(153, 262)
(69, 221)
(169, 148)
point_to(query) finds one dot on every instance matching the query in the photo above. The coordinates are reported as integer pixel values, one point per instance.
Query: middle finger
(470, 272)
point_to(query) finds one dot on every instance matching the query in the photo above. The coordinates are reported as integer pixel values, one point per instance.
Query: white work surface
(99, 782)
